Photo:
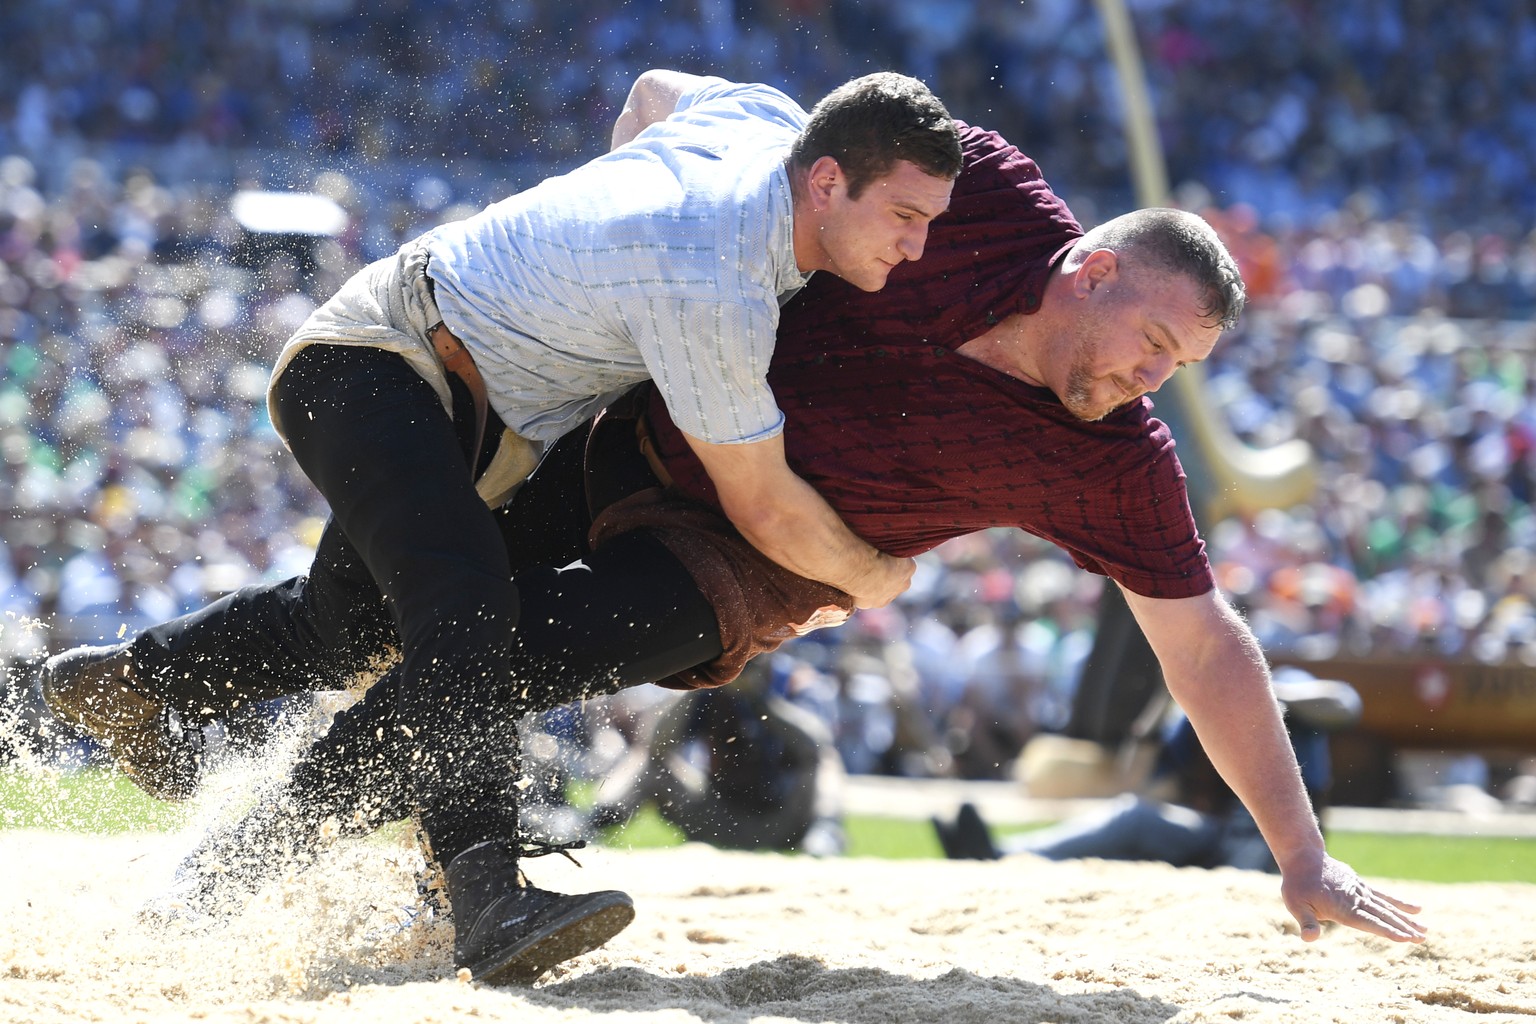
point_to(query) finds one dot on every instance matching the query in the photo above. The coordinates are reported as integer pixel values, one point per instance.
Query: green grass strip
(92, 801)
(99, 801)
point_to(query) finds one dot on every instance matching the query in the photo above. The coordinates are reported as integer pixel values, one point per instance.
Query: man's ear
(1100, 267)
(822, 182)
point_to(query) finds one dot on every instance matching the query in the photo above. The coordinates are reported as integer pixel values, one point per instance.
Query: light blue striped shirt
(666, 258)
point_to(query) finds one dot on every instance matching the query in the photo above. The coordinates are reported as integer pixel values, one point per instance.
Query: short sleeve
(710, 362)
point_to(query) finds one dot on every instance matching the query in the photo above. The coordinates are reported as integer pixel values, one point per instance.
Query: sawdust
(731, 937)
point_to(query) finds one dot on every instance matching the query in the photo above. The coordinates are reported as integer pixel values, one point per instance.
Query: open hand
(1333, 892)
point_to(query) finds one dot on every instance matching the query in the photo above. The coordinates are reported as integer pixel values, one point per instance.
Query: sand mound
(724, 937)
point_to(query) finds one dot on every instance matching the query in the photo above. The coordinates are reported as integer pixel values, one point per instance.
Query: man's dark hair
(1177, 242)
(869, 124)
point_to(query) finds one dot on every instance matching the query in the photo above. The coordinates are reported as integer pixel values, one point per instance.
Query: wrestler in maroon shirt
(914, 444)
(913, 441)
(1000, 381)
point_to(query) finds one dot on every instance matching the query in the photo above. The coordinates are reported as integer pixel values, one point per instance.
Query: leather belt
(647, 444)
(457, 361)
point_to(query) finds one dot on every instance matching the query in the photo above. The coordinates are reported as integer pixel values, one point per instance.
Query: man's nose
(1155, 374)
(912, 243)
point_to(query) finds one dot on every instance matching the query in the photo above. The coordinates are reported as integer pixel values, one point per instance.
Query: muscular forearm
(801, 532)
(786, 519)
(1229, 702)
(1216, 671)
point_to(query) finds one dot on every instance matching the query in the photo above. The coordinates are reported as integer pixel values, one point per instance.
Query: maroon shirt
(914, 444)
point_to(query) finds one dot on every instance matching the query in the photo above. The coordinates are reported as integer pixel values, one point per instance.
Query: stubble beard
(1077, 395)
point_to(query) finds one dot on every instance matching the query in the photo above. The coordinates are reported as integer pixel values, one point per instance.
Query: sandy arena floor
(737, 938)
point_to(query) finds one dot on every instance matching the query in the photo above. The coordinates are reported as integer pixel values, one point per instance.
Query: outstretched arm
(1216, 671)
(653, 96)
(786, 519)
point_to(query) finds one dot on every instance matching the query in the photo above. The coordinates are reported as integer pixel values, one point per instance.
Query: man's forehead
(1190, 337)
(909, 185)
(1177, 304)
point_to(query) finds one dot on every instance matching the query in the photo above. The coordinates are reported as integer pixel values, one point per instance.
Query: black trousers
(487, 625)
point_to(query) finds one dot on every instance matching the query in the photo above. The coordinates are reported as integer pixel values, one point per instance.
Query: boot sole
(162, 766)
(579, 931)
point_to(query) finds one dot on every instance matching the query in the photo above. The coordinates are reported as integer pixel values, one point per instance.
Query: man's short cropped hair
(1169, 241)
(869, 124)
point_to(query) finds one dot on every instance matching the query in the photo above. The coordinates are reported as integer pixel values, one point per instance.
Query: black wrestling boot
(96, 691)
(507, 932)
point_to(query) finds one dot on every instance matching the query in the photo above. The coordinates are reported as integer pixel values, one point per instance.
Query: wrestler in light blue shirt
(666, 258)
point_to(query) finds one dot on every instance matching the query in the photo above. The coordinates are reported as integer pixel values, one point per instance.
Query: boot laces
(527, 846)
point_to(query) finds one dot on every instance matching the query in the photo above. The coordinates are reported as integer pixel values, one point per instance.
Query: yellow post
(1225, 476)
(1149, 171)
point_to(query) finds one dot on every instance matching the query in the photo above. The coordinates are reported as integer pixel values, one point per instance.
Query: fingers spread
(1382, 915)
(1403, 905)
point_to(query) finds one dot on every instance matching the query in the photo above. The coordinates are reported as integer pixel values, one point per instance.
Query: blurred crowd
(1366, 161)
(1300, 104)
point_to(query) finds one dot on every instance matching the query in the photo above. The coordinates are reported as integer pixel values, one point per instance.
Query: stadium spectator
(1372, 182)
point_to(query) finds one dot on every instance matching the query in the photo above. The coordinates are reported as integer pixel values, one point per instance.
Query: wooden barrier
(1427, 703)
